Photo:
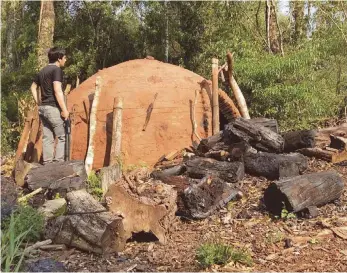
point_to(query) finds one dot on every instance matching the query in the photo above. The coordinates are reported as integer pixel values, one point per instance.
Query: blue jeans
(53, 126)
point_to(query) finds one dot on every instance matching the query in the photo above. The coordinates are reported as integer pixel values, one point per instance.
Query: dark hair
(55, 53)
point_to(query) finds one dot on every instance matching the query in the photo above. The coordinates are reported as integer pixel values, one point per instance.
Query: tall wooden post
(116, 131)
(215, 105)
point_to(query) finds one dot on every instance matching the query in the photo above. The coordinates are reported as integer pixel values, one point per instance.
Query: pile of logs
(212, 177)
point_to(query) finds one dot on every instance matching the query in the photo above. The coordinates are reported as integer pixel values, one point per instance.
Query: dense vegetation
(300, 86)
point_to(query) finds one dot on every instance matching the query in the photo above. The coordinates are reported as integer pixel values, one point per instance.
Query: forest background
(290, 66)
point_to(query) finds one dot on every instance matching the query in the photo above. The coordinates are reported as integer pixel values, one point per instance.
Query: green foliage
(12, 254)
(217, 253)
(94, 185)
(285, 214)
(28, 219)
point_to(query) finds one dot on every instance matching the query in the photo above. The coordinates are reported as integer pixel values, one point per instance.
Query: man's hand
(65, 115)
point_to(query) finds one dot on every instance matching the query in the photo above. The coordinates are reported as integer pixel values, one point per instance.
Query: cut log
(339, 143)
(88, 228)
(275, 166)
(266, 122)
(298, 140)
(230, 172)
(331, 156)
(323, 135)
(301, 192)
(145, 207)
(257, 136)
(198, 199)
(69, 175)
(218, 155)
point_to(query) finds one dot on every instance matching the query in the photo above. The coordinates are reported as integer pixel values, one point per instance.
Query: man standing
(52, 109)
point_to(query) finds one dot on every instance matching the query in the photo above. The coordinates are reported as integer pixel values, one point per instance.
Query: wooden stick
(236, 89)
(28, 196)
(215, 105)
(25, 136)
(37, 245)
(92, 126)
(77, 81)
(53, 247)
(116, 131)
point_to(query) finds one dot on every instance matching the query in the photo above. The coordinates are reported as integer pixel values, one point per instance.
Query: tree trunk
(299, 139)
(275, 166)
(299, 28)
(215, 102)
(166, 32)
(87, 226)
(256, 135)
(230, 172)
(145, 206)
(69, 175)
(300, 192)
(46, 31)
(272, 27)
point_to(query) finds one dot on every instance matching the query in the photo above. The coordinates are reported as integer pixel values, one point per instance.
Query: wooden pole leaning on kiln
(215, 105)
(92, 126)
(113, 172)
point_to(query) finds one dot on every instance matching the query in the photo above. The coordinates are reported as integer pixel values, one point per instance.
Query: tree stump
(275, 166)
(228, 171)
(87, 226)
(257, 136)
(301, 192)
(145, 206)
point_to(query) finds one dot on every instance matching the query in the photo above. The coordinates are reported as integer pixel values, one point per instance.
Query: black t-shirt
(45, 79)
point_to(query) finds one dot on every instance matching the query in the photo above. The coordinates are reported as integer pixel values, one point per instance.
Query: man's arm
(34, 91)
(58, 91)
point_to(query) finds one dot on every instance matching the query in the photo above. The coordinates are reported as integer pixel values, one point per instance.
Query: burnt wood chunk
(299, 139)
(335, 156)
(176, 170)
(301, 192)
(275, 166)
(257, 136)
(207, 144)
(228, 171)
(339, 143)
(323, 135)
(266, 122)
(202, 199)
(87, 226)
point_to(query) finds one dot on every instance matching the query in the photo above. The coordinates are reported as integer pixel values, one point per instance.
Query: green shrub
(11, 240)
(94, 185)
(28, 219)
(216, 253)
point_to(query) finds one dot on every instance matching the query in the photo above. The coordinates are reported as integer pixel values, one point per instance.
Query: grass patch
(274, 237)
(217, 253)
(94, 185)
(25, 219)
(24, 225)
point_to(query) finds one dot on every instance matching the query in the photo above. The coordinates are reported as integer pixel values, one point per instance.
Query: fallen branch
(37, 245)
(28, 196)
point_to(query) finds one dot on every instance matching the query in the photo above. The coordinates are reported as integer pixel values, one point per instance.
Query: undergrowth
(94, 185)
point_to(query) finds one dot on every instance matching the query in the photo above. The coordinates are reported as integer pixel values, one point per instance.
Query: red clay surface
(137, 81)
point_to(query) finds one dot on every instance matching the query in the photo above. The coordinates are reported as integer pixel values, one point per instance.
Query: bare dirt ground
(242, 224)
